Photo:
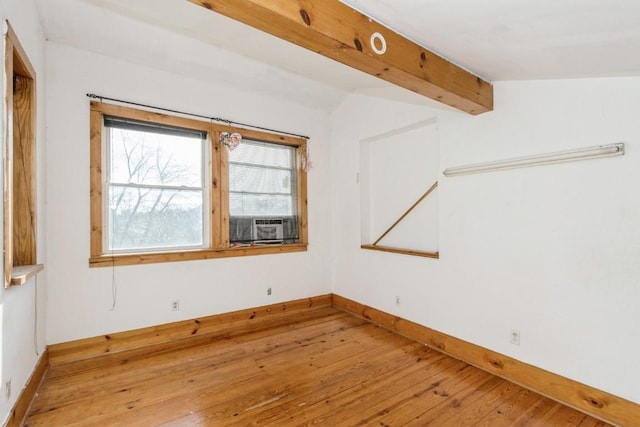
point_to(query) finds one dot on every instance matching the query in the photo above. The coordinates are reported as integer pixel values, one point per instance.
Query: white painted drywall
(23, 341)
(396, 170)
(549, 251)
(80, 298)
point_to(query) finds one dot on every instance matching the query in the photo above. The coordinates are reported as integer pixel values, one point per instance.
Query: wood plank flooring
(321, 368)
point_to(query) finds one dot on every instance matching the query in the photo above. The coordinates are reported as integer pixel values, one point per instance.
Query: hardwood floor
(323, 367)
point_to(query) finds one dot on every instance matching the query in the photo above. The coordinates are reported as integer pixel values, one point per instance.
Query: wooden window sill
(160, 257)
(21, 274)
(435, 255)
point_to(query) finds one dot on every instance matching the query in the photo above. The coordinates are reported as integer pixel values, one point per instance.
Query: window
(20, 164)
(164, 188)
(157, 187)
(263, 193)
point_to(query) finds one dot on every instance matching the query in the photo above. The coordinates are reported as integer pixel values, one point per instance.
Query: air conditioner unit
(268, 230)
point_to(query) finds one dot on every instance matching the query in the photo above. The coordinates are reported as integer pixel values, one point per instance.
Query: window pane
(142, 218)
(259, 179)
(262, 180)
(154, 158)
(243, 204)
(263, 153)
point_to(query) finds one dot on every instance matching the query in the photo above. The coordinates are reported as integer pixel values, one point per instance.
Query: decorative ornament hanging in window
(305, 160)
(230, 140)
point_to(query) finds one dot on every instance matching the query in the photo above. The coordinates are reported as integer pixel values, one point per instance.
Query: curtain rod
(541, 159)
(216, 119)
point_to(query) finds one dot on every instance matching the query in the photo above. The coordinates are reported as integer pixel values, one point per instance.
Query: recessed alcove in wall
(398, 190)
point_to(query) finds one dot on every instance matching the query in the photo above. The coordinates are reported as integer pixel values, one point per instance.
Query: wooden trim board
(434, 255)
(218, 216)
(21, 407)
(407, 212)
(178, 334)
(19, 80)
(599, 404)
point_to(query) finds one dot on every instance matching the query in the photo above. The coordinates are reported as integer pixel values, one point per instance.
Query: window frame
(20, 189)
(204, 187)
(294, 190)
(218, 172)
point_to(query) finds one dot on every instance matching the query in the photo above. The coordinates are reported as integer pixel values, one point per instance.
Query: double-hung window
(263, 193)
(157, 187)
(165, 188)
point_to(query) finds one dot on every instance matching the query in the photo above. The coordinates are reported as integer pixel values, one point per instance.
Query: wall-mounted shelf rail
(538, 160)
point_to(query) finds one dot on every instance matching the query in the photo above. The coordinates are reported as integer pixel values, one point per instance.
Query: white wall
(549, 251)
(80, 298)
(22, 307)
(396, 170)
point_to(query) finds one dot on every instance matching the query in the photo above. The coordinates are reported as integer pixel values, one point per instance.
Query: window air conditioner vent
(268, 230)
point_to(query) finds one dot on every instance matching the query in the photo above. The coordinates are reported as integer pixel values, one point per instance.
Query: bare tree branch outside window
(156, 190)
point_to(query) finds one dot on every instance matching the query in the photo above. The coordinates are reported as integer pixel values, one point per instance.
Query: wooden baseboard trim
(178, 334)
(599, 404)
(19, 411)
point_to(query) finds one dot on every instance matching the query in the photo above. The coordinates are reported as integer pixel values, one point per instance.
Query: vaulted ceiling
(521, 39)
(496, 39)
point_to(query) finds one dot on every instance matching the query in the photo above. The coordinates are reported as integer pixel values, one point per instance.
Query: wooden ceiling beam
(339, 32)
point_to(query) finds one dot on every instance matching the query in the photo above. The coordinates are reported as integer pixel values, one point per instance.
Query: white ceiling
(521, 39)
(496, 39)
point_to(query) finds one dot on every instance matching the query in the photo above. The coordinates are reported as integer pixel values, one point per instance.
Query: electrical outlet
(268, 291)
(8, 388)
(175, 305)
(514, 338)
(397, 300)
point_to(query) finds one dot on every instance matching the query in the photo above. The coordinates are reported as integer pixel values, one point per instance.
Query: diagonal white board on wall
(397, 168)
